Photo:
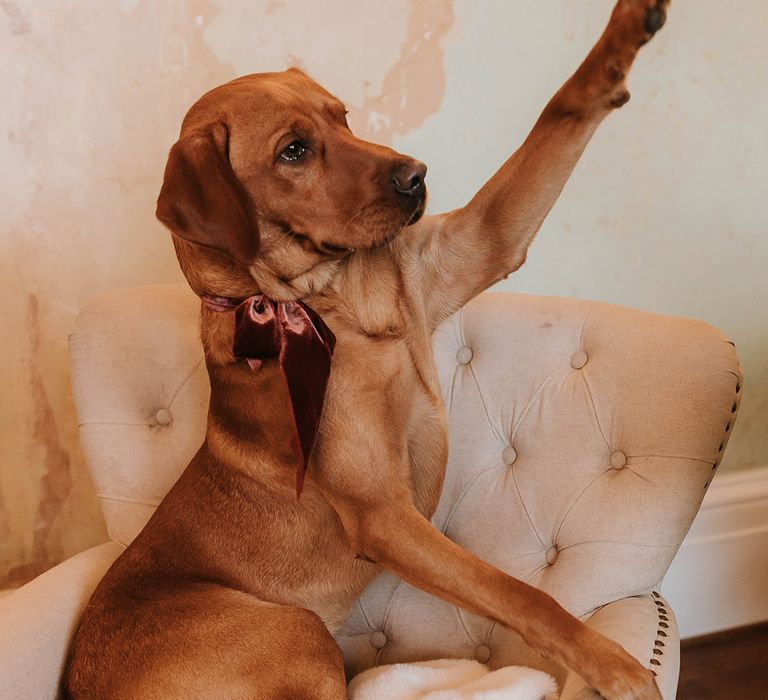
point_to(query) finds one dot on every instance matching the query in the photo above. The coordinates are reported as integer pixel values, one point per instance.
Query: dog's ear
(202, 201)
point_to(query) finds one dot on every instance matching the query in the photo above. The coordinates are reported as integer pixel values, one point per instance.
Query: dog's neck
(307, 284)
(294, 336)
(250, 427)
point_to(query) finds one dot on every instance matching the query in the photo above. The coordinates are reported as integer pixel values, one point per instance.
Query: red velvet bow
(297, 337)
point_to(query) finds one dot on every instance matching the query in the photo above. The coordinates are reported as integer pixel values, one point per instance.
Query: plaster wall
(666, 211)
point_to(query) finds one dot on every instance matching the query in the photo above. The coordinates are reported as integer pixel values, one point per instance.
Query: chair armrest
(38, 621)
(645, 626)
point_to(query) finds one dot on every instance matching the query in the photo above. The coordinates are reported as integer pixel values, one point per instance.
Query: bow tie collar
(296, 336)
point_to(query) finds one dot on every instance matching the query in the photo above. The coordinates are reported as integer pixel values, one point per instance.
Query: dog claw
(654, 19)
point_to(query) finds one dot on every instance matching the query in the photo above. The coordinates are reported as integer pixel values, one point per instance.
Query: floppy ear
(202, 201)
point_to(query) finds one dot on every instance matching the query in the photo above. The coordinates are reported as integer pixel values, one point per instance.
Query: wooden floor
(730, 665)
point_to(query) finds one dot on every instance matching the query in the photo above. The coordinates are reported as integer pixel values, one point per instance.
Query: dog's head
(267, 175)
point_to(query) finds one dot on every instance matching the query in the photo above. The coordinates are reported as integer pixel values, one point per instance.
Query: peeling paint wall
(93, 95)
(666, 212)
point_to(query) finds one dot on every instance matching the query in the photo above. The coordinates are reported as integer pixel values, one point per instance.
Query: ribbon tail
(305, 358)
(307, 391)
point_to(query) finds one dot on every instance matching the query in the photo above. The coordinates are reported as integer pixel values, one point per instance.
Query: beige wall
(666, 212)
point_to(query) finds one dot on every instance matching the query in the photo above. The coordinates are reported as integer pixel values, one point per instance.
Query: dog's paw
(600, 82)
(640, 686)
(655, 17)
(633, 23)
(636, 21)
(617, 675)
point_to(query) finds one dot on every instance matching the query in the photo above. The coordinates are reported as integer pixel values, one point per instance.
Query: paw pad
(654, 19)
(620, 99)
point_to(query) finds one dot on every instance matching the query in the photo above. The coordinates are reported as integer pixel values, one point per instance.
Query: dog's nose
(408, 178)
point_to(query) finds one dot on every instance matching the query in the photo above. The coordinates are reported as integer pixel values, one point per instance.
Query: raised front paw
(655, 16)
(633, 23)
(639, 20)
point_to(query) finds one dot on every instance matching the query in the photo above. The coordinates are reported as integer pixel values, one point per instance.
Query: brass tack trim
(663, 619)
(728, 427)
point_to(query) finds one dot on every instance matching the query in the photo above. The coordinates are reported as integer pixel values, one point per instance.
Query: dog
(235, 586)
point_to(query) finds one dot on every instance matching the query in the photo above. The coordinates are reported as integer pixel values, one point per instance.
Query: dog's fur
(233, 588)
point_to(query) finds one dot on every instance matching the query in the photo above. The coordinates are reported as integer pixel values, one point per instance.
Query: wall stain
(273, 7)
(130, 104)
(56, 481)
(414, 87)
(17, 21)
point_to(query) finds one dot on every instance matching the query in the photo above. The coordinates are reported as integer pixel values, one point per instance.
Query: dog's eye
(295, 151)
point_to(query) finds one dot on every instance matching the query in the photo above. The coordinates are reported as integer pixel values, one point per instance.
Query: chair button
(551, 555)
(378, 639)
(579, 359)
(482, 653)
(509, 455)
(163, 417)
(618, 459)
(464, 355)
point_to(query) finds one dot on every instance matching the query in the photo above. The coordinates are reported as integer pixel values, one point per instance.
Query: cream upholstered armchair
(582, 439)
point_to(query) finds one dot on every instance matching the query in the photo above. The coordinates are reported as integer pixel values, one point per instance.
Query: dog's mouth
(331, 249)
(418, 212)
(328, 248)
(321, 247)
(411, 219)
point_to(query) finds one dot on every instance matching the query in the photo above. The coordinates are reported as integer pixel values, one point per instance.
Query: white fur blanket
(451, 679)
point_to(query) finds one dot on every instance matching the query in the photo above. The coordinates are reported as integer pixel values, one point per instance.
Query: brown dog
(231, 589)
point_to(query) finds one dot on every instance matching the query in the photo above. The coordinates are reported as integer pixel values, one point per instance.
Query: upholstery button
(464, 355)
(579, 359)
(509, 455)
(551, 555)
(618, 459)
(378, 639)
(482, 653)
(163, 416)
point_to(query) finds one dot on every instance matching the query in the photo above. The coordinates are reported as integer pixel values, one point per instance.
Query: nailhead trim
(728, 426)
(658, 644)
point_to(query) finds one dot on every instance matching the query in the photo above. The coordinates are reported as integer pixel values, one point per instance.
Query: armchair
(583, 437)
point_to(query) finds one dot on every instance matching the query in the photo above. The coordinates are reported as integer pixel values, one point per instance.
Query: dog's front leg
(396, 536)
(463, 252)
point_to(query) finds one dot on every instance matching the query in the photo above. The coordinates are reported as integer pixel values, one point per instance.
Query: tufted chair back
(582, 439)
